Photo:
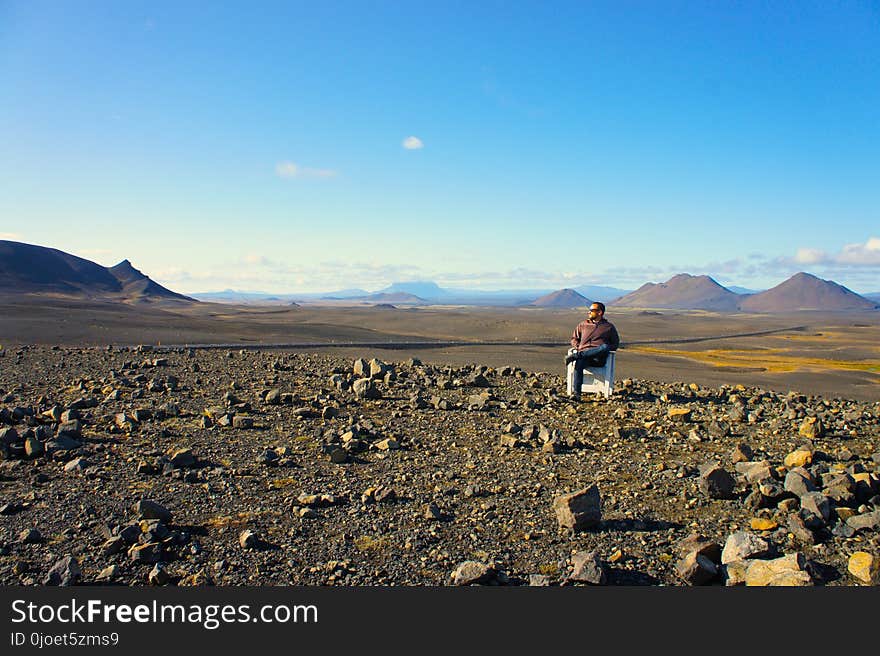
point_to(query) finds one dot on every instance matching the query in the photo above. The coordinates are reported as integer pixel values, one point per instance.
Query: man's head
(597, 310)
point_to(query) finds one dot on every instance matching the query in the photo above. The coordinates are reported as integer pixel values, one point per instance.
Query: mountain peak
(561, 298)
(683, 292)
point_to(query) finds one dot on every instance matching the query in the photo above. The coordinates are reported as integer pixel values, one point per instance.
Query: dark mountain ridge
(32, 269)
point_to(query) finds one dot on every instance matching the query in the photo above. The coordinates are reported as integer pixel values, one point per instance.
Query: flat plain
(835, 354)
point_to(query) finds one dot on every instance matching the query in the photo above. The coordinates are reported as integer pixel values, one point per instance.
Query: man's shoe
(570, 358)
(574, 398)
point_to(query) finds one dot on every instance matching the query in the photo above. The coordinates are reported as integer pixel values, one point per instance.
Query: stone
(108, 573)
(147, 509)
(715, 482)
(71, 428)
(273, 397)
(158, 575)
(364, 388)
(799, 458)
(432, 512)
(865, 567)
(361, 368)
(64, 572)
(62, 443)
(148, 553)
(755, 471)
(587, 567)
(741, 453)
(679, 414)
(76, 465)
(579, 510)
(799, 482)
(30, 536)
(865, 521)
(183, 458)
(471, 572)
(696, 569)
(248, 539)
(338, 456)
(817, 504)
(33, 448)
(378, 369)
(701, 545)
(763, 524)
(735, 572)
(811, 428)
(785, 571)
(538, 581)
(113, 545)
(801, 532)
(388, 444)
(718, 428)
(242, 423)
(742, 545)
(378, 494)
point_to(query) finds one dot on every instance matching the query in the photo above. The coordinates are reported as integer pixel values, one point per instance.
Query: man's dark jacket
(589, 334)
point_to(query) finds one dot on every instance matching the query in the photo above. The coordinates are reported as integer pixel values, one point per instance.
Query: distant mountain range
(30, 269)
(802, 291)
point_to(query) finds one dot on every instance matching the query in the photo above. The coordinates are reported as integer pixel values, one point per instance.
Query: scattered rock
(579, 510)
(587, 567)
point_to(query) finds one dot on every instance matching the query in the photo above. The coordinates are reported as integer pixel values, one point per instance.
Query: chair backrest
(596, 379)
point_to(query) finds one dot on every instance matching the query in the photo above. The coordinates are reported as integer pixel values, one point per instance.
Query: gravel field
(140, 466)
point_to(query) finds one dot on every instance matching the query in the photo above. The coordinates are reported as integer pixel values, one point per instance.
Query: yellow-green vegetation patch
(223, 521)
(281, 483)
(370, 543)
(772, 360)
(548, 569)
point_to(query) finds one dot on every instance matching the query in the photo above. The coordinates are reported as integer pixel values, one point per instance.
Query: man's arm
(576, 336)
(613, 338)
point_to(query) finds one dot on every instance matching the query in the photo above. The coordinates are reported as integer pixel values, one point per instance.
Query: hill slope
(804, 291)
(563, 298)
(682, 292)
(32, 269)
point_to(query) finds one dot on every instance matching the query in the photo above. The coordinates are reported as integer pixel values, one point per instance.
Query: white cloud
(867, 254)
(10, 236)
(810, 256)
(413, 143)
(255, 259)
(290, 170)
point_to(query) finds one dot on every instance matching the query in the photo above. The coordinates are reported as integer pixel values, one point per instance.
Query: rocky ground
(186, 467)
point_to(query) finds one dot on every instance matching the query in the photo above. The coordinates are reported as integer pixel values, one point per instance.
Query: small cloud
(290, 170)
(253, 258)
(413, 143)
(810, 256)
(11, 236)
(861, 254)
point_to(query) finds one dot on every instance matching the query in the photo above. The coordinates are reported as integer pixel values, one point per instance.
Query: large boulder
(579, 510)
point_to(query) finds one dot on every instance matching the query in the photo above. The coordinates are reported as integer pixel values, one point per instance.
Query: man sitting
(593, 338)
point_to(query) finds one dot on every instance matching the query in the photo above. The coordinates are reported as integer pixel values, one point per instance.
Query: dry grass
(282, 483)
(372, 544)
(774, 360)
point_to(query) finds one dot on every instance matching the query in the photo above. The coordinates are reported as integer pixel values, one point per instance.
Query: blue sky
(289, 147)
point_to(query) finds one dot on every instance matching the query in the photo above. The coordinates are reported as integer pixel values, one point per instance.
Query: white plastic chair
(596, 379)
